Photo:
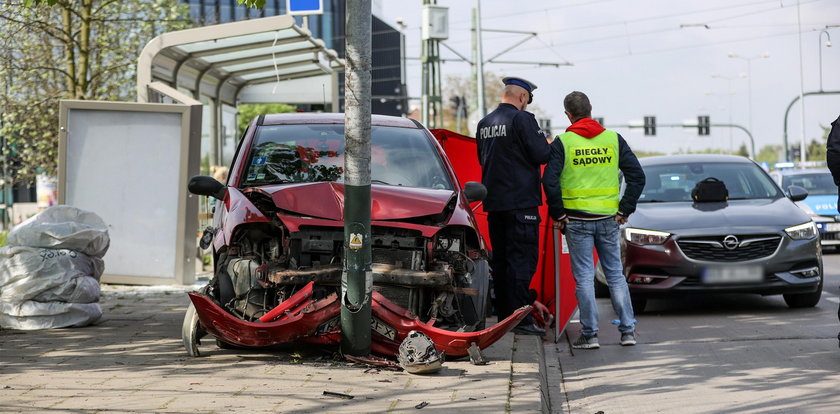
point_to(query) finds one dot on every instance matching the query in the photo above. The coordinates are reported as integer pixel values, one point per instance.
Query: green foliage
(254, 4)
(644, 154)
(3, 235)
(83, 49)
(247, 112)
(768, 154)
(817, 147)
(742, 151)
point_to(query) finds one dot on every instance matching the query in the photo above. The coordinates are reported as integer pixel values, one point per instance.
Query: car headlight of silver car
(645, 237)
(803, 231)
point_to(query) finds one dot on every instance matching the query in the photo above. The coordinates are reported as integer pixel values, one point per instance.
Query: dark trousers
(514, 235)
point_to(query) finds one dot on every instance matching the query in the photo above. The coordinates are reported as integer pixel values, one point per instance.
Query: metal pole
(479, 63)
(749, 93)
(819, 38)
(357, 279)
(802, 155)
(787, 112)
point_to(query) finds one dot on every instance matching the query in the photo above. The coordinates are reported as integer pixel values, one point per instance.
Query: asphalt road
(709, 354)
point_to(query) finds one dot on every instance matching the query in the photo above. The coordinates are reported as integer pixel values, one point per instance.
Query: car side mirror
(475, 191)
(206, 186)
(796, 193)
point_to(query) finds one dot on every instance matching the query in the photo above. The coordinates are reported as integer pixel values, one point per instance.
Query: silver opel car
(757, 241)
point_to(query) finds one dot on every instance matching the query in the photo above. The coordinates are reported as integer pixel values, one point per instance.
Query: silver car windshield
(815, 183)
(305, 153)
(674, 182)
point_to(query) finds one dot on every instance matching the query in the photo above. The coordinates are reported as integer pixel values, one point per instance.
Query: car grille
(830, 236)
(695, 280)
(711, 249)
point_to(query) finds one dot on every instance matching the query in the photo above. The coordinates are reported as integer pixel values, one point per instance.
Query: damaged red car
(278, 241)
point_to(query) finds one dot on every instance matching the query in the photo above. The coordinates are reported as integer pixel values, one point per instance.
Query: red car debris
(278, 236)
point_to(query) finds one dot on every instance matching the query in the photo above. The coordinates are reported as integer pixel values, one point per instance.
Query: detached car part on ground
(757, 241)
(278, 241)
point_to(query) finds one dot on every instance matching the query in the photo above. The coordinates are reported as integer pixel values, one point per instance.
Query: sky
(665, 58)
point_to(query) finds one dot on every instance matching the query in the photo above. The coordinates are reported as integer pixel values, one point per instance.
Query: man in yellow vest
(582, 187)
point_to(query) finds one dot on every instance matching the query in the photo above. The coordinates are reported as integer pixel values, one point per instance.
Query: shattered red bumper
(302, 318)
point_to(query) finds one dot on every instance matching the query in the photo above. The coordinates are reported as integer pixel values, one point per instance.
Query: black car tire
(224, 345)
(804, 300)
(639, 305)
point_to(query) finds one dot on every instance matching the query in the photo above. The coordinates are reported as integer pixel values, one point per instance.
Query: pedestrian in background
(511, 149)
(582, 187)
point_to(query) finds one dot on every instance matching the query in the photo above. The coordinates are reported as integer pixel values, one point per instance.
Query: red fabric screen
(462, 153)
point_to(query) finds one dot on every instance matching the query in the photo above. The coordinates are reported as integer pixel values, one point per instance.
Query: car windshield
(817, 183)
(305, 153)
(674, 182)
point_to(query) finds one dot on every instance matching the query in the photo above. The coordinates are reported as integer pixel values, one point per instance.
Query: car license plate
(733, 274)
(832, 227)
(383, 329)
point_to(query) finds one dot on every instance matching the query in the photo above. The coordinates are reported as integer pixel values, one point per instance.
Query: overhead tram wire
(695, 46)
(634, 34)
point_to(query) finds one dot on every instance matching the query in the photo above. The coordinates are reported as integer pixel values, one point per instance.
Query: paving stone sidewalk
(133, 361)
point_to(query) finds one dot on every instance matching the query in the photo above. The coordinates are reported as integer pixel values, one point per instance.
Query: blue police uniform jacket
(511, 148)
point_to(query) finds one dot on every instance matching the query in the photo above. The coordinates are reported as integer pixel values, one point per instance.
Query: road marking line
(833, 299)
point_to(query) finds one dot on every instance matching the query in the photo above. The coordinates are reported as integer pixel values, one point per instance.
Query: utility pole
(356, 278)
(431, 111)
(479, 61)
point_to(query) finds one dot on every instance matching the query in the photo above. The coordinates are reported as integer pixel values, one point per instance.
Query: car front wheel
(804, 300)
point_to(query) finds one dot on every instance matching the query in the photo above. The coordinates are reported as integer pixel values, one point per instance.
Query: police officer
(511, 148)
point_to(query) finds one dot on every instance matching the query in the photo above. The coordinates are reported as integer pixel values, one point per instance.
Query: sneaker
(586, 342)
(628, 339)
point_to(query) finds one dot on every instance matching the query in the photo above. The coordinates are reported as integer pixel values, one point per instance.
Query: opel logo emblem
(730, 242)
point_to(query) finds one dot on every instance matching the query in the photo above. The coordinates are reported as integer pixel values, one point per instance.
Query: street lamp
(827, 44)
(729, 92)
(749, 60)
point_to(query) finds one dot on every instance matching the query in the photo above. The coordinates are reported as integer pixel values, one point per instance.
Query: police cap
(527, 85)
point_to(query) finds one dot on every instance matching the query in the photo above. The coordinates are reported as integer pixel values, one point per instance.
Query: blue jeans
(581, 237)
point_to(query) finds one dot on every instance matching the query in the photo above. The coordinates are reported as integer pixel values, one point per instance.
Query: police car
(821, 203)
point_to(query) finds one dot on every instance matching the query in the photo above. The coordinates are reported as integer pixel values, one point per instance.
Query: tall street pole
(802, 156)
(479, 62)
(356, 278)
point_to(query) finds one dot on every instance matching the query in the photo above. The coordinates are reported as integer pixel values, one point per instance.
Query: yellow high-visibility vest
(589, 180)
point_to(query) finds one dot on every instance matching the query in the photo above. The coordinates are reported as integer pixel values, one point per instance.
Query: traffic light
(459, 105)
(650, 125)
(703, 125)
(795, 153)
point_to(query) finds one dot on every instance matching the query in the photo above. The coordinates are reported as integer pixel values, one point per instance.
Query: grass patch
(3, 235)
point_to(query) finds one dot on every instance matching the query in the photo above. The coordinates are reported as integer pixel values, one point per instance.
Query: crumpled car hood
(326, 200)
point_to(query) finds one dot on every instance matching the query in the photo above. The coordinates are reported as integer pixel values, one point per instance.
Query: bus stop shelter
(129, 162)
(214, 64)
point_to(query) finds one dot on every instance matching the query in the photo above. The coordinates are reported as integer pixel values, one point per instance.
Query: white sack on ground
(47, 275)
(63, 227)
(31, 315)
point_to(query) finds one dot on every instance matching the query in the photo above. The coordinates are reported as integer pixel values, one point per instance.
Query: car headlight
(803, 231)
(645, 237)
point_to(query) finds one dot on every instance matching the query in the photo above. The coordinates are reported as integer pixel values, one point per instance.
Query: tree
(75, 49)
(247, 112)
(769, 154)
(464, 86)
(817, 147)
